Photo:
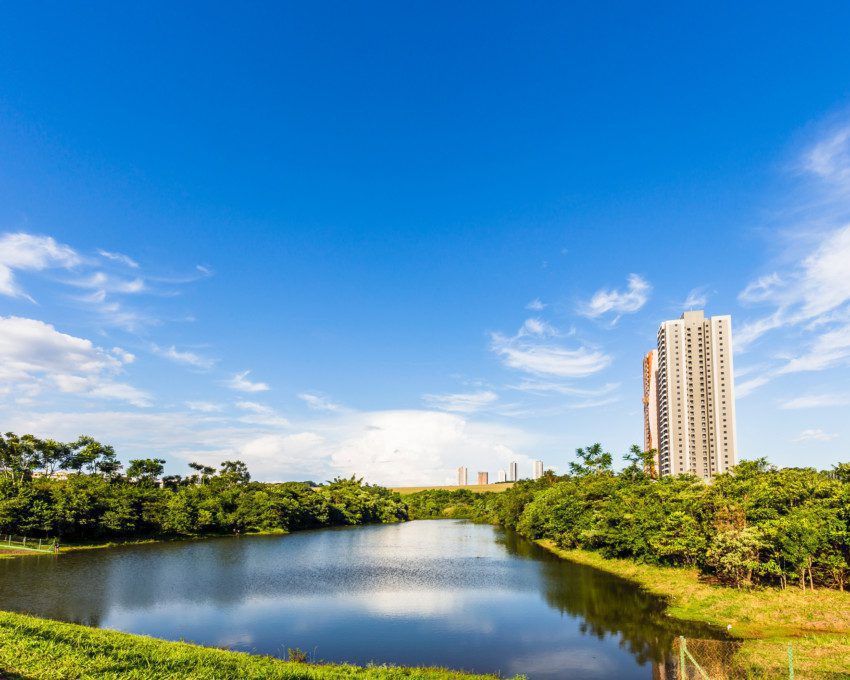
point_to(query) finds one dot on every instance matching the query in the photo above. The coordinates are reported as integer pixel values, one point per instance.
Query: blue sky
(391, 239)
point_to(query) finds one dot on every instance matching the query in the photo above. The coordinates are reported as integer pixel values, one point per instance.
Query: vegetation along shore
(762, 550)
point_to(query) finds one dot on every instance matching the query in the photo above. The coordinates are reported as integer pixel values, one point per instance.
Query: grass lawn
(816, 623)
(38, 648)
(497, 487)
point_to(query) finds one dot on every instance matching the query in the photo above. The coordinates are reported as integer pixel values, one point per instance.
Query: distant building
(462, 476)
(689, 408)
(483, 477)
(538, 469)
(59, 474)
(513, 472)
(503, 476)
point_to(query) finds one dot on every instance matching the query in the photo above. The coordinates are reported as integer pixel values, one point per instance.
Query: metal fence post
(682, 673)
(790, 662)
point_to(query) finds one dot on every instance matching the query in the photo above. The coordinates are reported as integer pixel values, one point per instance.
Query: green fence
(695, 659)
(12, 542)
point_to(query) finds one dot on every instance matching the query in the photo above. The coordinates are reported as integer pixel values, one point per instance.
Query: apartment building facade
(689, 397)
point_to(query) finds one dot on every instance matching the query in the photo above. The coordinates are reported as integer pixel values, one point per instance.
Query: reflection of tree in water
(608, 604)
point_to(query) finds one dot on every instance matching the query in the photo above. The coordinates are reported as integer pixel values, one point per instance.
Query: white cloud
(534, 350)
(814, 435)
(393, 448)
(35, 356)
(745, 388)
(260, 414)
(27, 252)
(816, 401)
(240, 383)
(697, 298)
(254, 407)
(536, 305)
(204, 406)
(119, 257)
(279, 455)
(829, 158)
(408, 448)
(619, 302)
(319, 403)
(103, 283)
(537, 386)
(183, 357)
(468, 402)
(808, 300)
(763, 288)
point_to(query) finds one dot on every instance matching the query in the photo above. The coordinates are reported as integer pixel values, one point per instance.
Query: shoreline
(765, 621)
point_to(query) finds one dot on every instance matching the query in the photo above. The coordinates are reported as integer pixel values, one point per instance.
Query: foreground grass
(496, 487)
(816, 623)
(38, 648)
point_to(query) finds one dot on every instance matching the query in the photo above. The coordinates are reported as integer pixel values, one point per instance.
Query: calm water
(445, 593)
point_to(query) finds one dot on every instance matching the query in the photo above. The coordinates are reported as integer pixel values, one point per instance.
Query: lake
(440, 592)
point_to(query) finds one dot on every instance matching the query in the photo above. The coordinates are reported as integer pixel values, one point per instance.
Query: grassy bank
(496, 487)
(37, 648)
(816, 623)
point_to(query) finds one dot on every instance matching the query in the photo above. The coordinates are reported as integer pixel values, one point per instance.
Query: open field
(38, 648)
(474, 488)
(816, 623)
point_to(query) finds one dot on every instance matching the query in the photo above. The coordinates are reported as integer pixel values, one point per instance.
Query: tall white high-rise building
(462, 476)
(502, 476)
(513, 472)
(689, 402)
(538, 469)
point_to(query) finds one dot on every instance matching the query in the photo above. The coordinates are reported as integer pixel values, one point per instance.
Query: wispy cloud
(697, 298)
(537, 349)
(808, 301)
(29, 252)
(461, 402)
(184, 357)
(814, 435)
(204, 406)
(318, 402)
(816, 401)
(617, 301)
(254, 407)
(120, 258)
(104, 283)
(536, 305)
(240, 383)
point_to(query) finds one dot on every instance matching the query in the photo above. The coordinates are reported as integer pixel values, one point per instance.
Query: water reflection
(429, 592)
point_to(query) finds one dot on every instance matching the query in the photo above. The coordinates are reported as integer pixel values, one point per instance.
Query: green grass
(816, 623)
(38, 648)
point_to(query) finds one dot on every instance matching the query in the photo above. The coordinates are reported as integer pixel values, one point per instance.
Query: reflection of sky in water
(424, 593)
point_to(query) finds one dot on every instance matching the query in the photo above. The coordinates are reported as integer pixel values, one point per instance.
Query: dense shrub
(757, 524)
(97, 501)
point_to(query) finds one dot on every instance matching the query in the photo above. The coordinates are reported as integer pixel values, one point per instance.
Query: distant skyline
(390, 240)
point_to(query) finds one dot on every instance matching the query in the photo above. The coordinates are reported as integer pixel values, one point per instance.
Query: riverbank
(75, 547)
(816, 623)
(52, 650)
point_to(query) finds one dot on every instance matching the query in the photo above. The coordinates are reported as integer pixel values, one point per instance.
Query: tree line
(757, 524)
(97, 499)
